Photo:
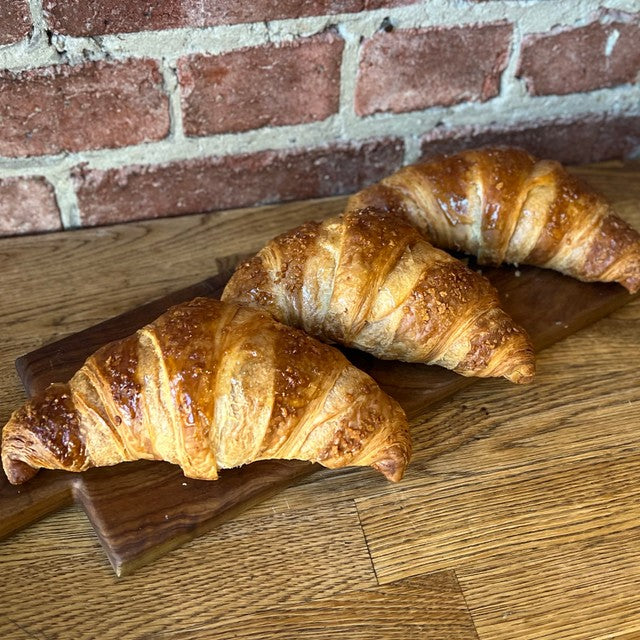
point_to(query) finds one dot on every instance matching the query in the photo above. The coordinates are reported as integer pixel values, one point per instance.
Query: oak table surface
(518, 517)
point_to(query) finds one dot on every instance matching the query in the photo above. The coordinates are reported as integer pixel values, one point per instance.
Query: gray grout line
(348, 78)
(67, 203)
(511, 87)
(37, 17)
(412, 149)
(170, 77)
(35, 50)
(61, 181)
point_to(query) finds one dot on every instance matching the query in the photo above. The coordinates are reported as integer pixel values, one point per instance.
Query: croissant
(503, 205)
(210, 386)
(367, 279)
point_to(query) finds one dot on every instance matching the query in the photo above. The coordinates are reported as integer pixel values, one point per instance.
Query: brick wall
(113, 110)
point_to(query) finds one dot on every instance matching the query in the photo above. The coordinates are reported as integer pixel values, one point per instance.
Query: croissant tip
(522, 375)
(390, 470)
(17, 471)
(393, 465)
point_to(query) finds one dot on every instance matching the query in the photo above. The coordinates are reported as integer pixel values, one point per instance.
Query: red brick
(27, 205)
(591, 139)
(576, 60)
(90, 106)
(405, 70)
(15, 21)
(269, 85)
(94, 17)
(208, 184)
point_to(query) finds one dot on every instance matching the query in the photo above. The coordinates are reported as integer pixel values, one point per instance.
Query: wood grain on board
(519, 501)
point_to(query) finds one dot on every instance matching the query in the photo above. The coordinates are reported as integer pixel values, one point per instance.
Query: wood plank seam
(466, 604)
(366, 542)
(493, 524)
(375, 573)
(21, 627)
(453, 571)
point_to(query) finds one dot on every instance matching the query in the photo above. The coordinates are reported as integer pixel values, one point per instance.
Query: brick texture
(27, 205)
(90, 106)
(411, 69)
(592, 139)
(15, 21)
(109, 105)
(95, 17)
(270, 85)
(591, 57)
(218, 183)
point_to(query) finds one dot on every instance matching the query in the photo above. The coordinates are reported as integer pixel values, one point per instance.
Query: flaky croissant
(209, 386)
(503, 205)
(367, 279)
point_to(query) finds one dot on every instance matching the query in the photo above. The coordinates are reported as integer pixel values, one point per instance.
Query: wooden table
(518, 518)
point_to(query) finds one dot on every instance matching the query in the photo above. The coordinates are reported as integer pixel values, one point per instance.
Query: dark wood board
(134, 530)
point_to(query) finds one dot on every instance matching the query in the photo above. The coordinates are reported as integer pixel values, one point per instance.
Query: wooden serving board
(142, 510)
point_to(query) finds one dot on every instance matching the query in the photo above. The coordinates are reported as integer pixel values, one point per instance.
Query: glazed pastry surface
(367, 279)
(208, 386)
(504, 205)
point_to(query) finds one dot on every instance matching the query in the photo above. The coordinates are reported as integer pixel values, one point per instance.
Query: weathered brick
(89, 106)
(207, 184)
(591, 139)
(269, 85)
(27, 205)
(15, 21)
(94, 17)
(405, 70)
(582, 59)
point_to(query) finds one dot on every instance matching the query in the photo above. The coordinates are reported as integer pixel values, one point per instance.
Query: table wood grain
(518, 517)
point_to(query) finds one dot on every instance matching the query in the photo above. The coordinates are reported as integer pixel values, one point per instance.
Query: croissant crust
(504, 205)
(208, 386)
(369, 280)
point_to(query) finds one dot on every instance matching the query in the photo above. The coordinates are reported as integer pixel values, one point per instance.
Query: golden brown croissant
(209, 386)
(503, 205)
(367, 279)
